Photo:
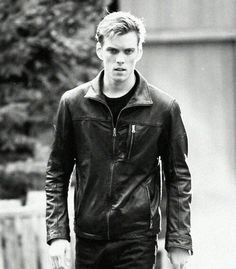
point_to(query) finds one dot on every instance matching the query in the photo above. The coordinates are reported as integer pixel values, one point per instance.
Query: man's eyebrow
(112, 48)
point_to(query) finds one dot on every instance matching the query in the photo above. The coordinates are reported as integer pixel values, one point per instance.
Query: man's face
(119, 55)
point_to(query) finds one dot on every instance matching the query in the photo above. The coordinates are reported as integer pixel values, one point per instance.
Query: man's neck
(114, 90)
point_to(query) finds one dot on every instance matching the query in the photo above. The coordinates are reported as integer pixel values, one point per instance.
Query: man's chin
(118, 79)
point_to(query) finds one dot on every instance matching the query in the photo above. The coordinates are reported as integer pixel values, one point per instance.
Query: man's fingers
(59, 262)
(67, 258)
(59, 252)
(54, 262)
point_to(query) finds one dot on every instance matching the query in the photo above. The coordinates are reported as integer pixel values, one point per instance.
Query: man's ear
(99, 50)
(140, 53)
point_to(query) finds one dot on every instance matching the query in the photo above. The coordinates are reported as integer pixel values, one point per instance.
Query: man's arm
(59, 169)
(178, 185)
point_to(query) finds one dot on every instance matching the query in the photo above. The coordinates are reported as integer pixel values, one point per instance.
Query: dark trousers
(138, 253)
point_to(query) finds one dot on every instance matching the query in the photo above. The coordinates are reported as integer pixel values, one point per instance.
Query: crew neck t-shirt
(117, 104)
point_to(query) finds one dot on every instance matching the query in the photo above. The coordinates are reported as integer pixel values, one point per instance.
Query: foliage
(47, 47)
(20, 176)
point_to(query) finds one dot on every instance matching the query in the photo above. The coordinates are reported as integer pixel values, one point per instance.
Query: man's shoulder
(77, 92)
(160, 96)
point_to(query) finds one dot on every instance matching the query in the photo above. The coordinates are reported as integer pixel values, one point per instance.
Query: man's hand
(178, 257)
(59, 252)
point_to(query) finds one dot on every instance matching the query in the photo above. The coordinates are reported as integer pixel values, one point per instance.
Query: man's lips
(119, 69)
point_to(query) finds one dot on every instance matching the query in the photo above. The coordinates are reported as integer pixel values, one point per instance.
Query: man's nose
(120, 58)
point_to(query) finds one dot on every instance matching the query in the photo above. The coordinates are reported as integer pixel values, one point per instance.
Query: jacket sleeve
(59, 169)
(178, 181)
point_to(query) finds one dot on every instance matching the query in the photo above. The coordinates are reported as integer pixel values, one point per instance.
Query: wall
(190, 52)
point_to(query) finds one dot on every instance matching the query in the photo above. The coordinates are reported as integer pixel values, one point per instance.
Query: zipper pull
(151, 223)
(114, 132)
(133, 129)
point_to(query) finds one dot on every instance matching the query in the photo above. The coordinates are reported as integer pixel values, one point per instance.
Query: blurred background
(48, 47)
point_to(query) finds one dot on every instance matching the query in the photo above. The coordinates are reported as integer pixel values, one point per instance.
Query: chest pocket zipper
(133, 131)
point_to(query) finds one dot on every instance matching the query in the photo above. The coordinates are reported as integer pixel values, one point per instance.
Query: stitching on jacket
(90, 119)
(177, 182)
(142, 123)
(56, 210)
(181, 136)
(166, 121)
(148, 91)
(174, 167)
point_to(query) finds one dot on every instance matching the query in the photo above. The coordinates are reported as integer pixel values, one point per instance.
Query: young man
(118, 130)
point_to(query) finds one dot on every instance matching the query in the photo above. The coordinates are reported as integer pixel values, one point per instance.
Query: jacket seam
(148, 91)
(166, 121)
(56, 210)
(181, 136)
(178, 236)
(177, 183)
(171, 105)
(174, 161)
(91, 119)
(142, 124)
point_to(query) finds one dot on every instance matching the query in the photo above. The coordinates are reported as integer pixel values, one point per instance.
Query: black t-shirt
(116, 104)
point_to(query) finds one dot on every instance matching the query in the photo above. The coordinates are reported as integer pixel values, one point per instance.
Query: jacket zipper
(149, 204)
(112, 165)
(111, 171)
(114, 133)
(133, 131)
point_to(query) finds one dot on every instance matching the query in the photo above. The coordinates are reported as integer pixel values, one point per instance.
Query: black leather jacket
(118, 186)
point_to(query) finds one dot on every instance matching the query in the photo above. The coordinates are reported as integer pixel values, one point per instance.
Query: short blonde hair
(119, 23)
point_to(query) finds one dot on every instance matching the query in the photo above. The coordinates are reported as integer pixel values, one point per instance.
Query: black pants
(138, 253)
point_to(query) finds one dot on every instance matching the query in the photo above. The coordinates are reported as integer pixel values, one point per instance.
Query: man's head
(120, 23)
(120, 36)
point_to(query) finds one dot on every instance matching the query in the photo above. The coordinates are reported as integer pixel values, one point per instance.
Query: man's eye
(113, 51)
(128, 51)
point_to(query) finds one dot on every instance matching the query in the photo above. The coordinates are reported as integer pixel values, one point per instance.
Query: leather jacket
(118, 177)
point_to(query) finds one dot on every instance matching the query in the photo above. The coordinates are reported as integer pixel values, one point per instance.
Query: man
(118, 130)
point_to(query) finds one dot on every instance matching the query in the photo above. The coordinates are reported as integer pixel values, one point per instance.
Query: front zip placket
(112, 163)
(111, 177)
(114, 141)
(114, 135)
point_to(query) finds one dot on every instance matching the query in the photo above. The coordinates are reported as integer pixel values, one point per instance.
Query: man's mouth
(119, 69)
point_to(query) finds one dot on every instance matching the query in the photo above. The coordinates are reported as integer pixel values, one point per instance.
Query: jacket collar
(141, 96)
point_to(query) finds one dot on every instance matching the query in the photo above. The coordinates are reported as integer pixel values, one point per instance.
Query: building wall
(184, 14)
(190, 53)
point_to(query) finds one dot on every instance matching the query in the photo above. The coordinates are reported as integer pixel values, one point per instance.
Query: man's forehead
(128, 40)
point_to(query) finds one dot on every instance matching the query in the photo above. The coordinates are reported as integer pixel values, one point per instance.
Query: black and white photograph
(117, 134)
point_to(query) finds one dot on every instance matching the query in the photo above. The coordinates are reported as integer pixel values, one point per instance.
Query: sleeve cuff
(184, 242)
(56, 235)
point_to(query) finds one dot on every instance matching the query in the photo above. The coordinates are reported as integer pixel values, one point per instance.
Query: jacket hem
(131, 235)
